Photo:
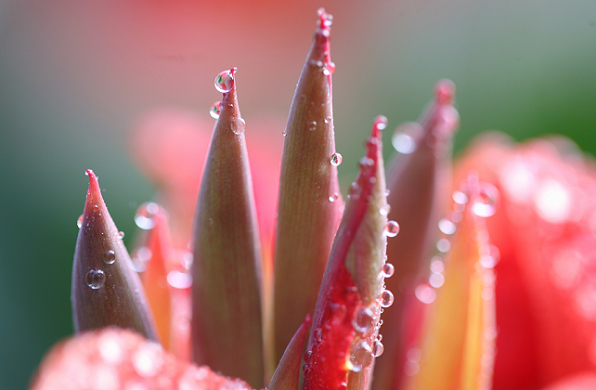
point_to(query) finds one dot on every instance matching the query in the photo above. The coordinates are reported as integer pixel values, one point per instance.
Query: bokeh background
(75, 77)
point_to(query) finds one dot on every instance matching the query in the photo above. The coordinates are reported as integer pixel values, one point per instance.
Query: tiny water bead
(109, 257)
(363, 320)
(361, 356)
(388, 270)
(179, 280)
(334, 197)
(378, 348)
(145, 215)
(80, 221)
(425, 294)
(485, 204)
(391, 229)
(436, 280)
(95, 278)
(312, 126)
(404, 137)
(386, 298)
(238, 125)
(225, 80)
(120, 235)
(381, 122)
(215, 110)
(443, 245)
(336, 159)
(459, 197)
(446, 226)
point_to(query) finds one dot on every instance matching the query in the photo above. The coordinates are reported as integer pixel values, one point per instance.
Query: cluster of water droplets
(483, 205)
(224, 82)
(179, 277)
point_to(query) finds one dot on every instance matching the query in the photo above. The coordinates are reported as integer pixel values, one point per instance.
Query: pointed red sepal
(419, 180)
(105, 288)
(226, 292)
(310, 204)
(287, 374)
(345, 326)
(114, 358)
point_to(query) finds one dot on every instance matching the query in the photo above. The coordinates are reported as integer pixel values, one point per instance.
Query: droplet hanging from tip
(225, 80)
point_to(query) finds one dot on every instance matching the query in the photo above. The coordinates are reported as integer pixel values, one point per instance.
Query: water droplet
(391, 229)
(329, 68)
(307, 356)
(120, 235)
(179, 279)
(488, 261)
(145, 215)
(80, 221)
(109, 257)
(436, 280)
(381, 122)
(425, 294)
(443, 245)
(378, 348)
(215, 110)
(336, 159)
(238, 125)
(318, 334)
(363, 319)
(334, 197)
(361, 356)
(459, 197)
(446, 226)
(312, 126)
(140, 258)
(388, 270)
(386, 298)
(403, 138)
(95, 278)
(436, 265)
(486, 201)
(316, 63)
(225, 80)
(355, 190)
(385, 210)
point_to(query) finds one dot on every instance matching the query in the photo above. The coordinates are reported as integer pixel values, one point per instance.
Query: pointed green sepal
(106, 290)
(226, 321)
(309, 200)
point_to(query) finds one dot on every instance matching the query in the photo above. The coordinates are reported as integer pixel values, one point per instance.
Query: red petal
(113, 359)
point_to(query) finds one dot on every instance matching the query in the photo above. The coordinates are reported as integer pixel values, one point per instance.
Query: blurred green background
(76, 76)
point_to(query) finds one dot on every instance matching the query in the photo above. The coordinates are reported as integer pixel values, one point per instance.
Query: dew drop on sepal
(109, 257)
(215, 110)
(95, 278)
(336, 159)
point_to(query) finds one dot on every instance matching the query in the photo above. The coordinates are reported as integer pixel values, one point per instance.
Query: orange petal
(456, 345)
